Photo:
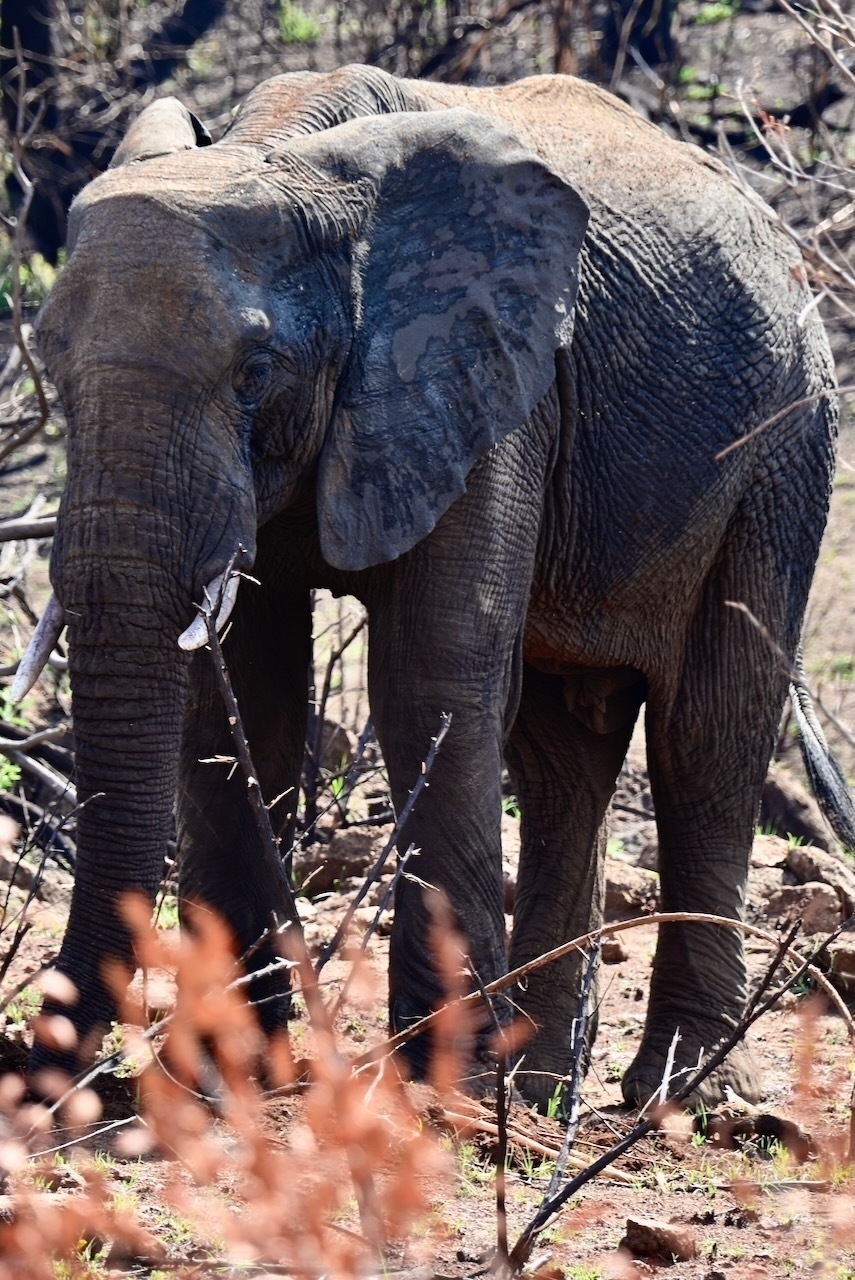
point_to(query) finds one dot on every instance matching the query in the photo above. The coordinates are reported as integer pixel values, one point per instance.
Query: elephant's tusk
(196, 635)
(48, 630)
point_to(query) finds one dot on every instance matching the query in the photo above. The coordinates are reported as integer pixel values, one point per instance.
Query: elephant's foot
(67, 1035)
(544, 1068)
(738, 1072)
(538, 1086)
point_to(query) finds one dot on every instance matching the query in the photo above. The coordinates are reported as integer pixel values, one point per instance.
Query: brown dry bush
(354, 1136)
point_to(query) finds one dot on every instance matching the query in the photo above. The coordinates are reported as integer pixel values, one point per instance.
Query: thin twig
(625, 32)
(500, 1262)
(313, 780)
(336, 654)
(269, 843)
(779, 417)
(411, 852)
(784, 947)
(366, 937)
(44, 828)
(23, 927)
(794, 674)
(374, 874)
(351, 780)
(579, 1034)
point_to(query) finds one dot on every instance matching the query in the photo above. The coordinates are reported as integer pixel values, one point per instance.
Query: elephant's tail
(824, 773)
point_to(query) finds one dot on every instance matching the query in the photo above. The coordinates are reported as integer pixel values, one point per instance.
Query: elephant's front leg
(222, 862)
(457, 834)
(446, 626)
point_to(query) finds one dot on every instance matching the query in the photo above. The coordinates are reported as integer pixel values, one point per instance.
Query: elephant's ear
(465, 275)
(160, 129)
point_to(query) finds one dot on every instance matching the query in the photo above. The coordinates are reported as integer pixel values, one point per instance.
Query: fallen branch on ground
(459, 1120)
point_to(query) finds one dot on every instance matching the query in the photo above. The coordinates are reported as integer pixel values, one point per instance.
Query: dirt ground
(776, 1202)
(237, 1186)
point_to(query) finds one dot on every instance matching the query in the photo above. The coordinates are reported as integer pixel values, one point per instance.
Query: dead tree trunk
(565, 58)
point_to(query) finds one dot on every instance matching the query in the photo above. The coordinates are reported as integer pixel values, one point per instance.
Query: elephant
(544, 390)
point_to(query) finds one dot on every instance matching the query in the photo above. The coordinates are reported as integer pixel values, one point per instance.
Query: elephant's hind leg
(709, 744)
(564, 775)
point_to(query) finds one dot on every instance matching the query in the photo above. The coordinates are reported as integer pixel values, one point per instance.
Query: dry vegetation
(196, 1149)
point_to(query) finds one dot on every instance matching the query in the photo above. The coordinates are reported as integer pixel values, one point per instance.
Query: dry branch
(374, 874)
(20, 141)
(312, 781)
(586, 939)
(58, 786)
(351, 780)
(17, 530)
(10, 745)
(573, 1103)
(502, 1047)
(466, 1123)
(780, 416)
(269, 844)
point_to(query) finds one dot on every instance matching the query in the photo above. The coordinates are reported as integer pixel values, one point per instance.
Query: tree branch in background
(19, 530)
(562, 25)
(24, 131)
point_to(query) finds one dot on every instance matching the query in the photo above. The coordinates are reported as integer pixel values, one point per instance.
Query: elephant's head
(365, 309)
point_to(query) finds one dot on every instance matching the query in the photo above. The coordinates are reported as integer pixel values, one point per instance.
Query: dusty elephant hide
(479, 358)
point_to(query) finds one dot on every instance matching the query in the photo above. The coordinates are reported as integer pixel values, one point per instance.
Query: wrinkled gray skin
(340, 338)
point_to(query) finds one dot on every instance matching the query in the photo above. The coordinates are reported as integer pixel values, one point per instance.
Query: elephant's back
(614, 157)
(592, 139)
(710, 286)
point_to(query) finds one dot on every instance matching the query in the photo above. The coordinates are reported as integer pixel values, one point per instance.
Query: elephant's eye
(251, 377)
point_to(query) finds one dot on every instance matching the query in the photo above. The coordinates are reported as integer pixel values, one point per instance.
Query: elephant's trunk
(127, 563)
(127, 735)
(129, 682)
